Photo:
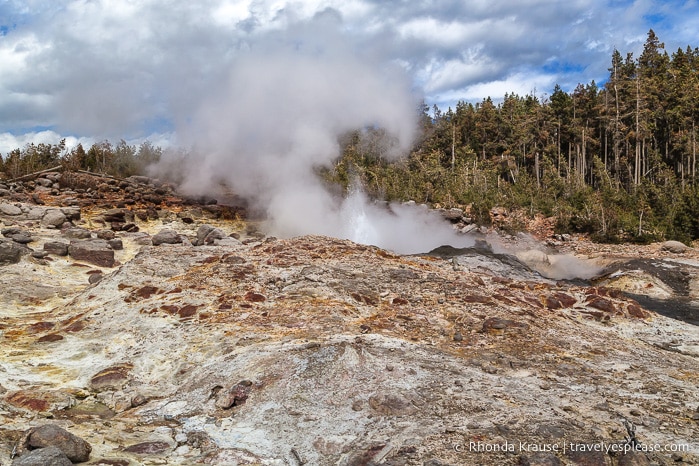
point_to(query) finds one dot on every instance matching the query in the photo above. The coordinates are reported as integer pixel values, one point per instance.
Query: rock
(35, 213)
(138, 400)
(453, 215)
(674, 247)
(148, 448)
(560, 300)
(106, 234)
(76, 449)
(11, 252)
(71, 213)
(166, 236)
(57, 248)
(114, 215)
(227, 241)
(202, 231)
(236, 396)
(22, 238)
(116, 244)
(11, 231)
(602, 304)
(141, 239)
(44, 182)
(95, 278)
(111, 378)
(94, 251)
(49, 456)
(77, 233)
(9, 209)
(53, 218)
(206, 234)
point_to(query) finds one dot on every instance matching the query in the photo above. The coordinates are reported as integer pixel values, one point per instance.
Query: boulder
(201, 234)
(71, 213)
(11, 231)
(22, 238)
(674, 247)
(44, 182)
(116, 244)
(36, 213)
(9, 209)
(53, 218)
(76, 449)
(115, 215)
(57, 248)
(11, 252)
(94, 251)
(52, 456)
(206, 234)
(106, 234)
(166, 236)
(453, 215)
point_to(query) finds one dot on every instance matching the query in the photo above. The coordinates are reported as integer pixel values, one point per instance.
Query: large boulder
(94, 251)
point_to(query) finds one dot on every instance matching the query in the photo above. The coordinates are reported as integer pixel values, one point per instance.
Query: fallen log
(33, 175)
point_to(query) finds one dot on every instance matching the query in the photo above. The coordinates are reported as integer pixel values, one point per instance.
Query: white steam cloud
(276, 118)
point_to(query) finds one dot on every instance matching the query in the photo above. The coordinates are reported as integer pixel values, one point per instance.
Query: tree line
(120, 160)
(618, 161)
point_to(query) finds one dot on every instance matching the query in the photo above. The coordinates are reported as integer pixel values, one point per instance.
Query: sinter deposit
(138, 327)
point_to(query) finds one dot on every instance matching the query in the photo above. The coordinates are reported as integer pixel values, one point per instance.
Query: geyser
(276, 118)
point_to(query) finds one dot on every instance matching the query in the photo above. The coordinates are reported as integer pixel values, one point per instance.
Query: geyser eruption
(276, 118)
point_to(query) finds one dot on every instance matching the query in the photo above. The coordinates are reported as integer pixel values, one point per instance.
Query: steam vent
(138, 327)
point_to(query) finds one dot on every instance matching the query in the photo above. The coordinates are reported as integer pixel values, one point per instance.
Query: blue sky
(95, 69)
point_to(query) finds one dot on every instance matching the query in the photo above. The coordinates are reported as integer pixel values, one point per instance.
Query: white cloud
(108, 68)
(10, 142)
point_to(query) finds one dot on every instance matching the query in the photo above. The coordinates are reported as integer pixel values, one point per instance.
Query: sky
(89, 70)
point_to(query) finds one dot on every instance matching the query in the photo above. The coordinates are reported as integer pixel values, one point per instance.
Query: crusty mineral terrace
(319, 351)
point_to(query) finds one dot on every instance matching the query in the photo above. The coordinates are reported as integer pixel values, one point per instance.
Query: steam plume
(277, 117)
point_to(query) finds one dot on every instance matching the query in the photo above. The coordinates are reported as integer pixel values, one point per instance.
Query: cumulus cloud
(112, 69)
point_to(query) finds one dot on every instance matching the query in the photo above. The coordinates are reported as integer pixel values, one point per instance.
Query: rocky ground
(163, 330)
